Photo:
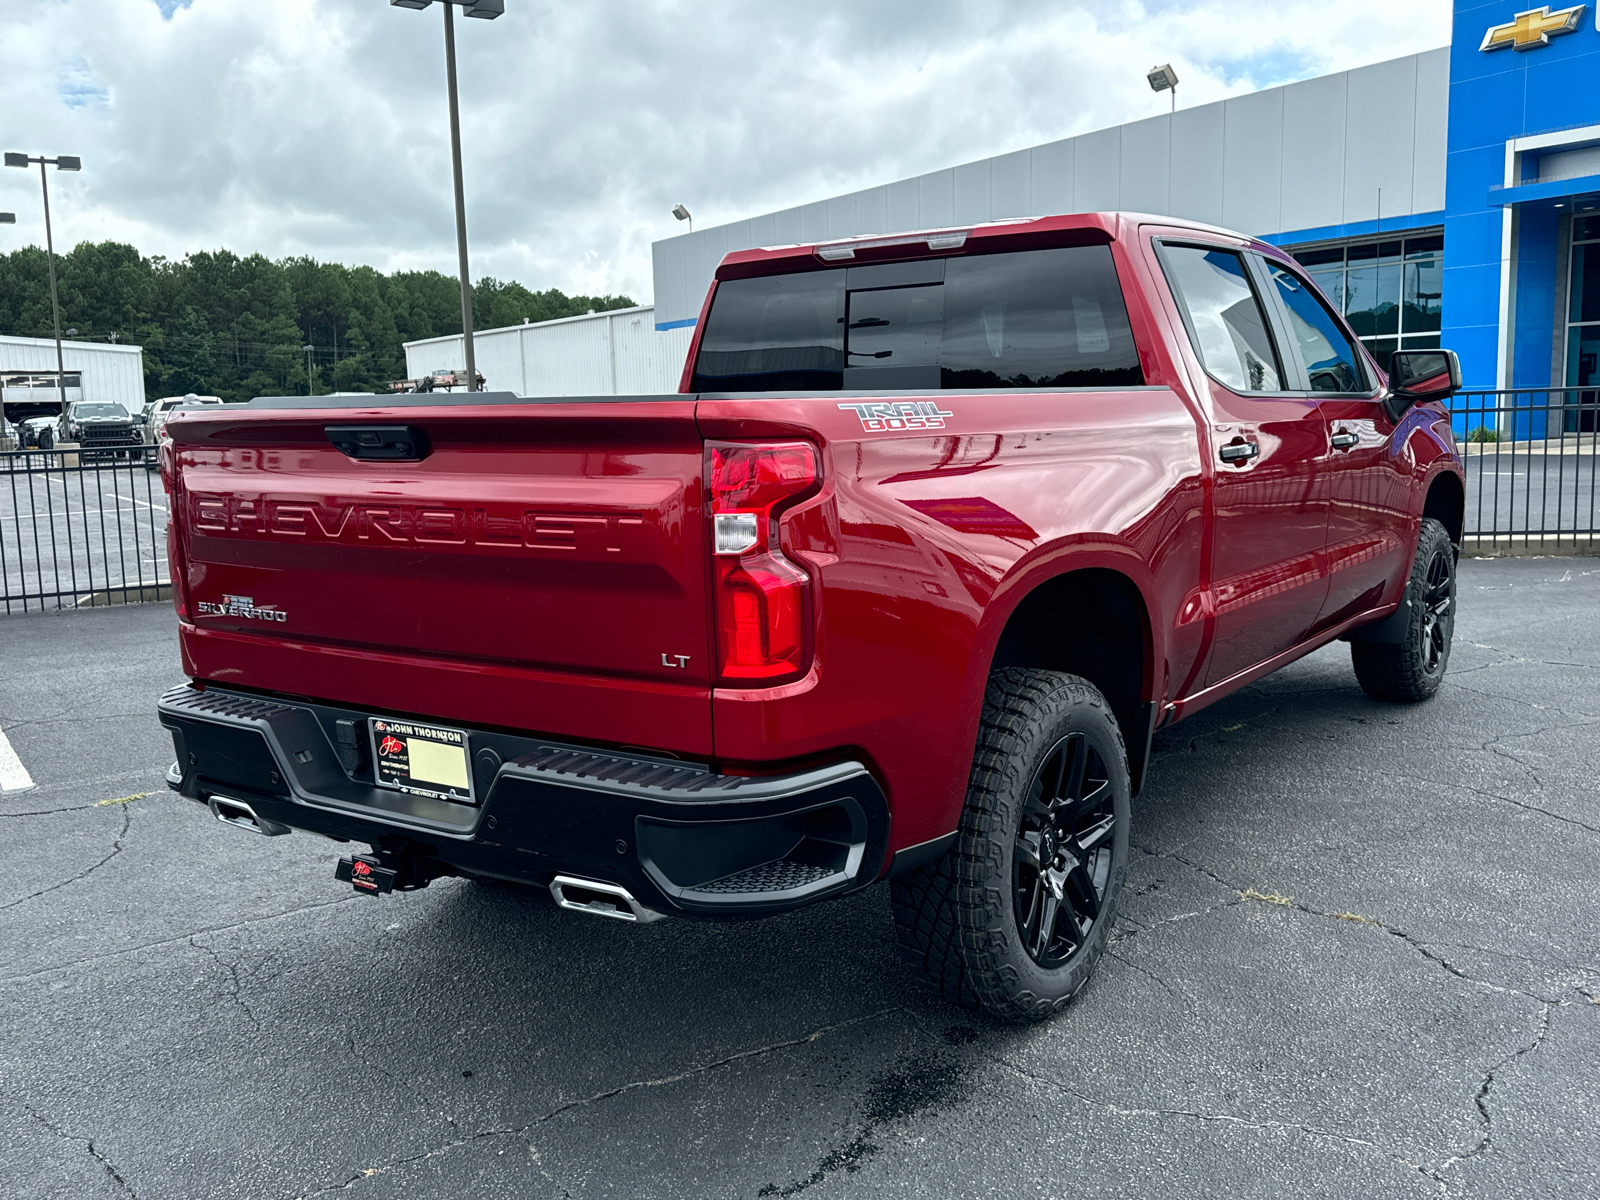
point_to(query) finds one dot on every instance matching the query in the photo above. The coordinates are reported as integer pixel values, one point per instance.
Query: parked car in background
(158, 412)
(99, 428)
(29, 431)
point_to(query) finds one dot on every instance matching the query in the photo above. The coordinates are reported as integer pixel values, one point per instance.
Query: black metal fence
(80, 529)
(1530, 456)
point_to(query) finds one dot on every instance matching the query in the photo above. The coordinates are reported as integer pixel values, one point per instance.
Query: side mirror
(1418, 375)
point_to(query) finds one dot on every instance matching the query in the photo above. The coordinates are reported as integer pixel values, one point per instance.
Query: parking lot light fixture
(682, 214)
(485, 10)
(8, 218)
(1164, 79)
(65, 162)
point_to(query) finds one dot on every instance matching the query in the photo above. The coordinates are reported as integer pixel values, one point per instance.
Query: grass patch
(1267, 897)
(121, 800)
(1484, 434)
(1357, 918)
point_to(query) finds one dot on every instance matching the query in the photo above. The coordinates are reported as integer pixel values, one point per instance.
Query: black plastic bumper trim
(909, 858)
(549, 808)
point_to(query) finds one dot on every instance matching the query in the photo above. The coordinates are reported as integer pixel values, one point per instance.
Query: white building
(616, 353)
(1357, 153)
(95, 371)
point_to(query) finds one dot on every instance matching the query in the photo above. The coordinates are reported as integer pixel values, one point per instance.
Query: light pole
(488, 10)
(67, 162)
(682, 214)
(1164, 79)
(308, 348)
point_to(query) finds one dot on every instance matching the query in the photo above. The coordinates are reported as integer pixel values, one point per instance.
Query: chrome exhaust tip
(600, 900)
(237, 813)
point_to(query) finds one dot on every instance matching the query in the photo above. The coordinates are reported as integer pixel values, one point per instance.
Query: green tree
(191, 356)
(221, 324)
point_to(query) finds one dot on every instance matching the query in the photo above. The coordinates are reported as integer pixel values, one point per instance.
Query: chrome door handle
(1343, 440)
(1239, 452)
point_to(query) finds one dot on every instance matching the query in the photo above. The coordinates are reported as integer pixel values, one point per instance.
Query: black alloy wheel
(1412, 668)
(1062, 862)
(1438, 598)
(1014, 916)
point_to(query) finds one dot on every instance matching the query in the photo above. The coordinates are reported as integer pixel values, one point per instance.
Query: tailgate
(543, 567)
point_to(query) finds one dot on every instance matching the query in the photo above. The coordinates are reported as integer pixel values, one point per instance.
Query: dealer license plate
(425, 760)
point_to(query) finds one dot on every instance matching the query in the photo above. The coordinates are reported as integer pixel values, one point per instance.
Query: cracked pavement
(1358, 955)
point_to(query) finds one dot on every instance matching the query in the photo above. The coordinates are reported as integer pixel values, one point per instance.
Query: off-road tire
(958, 918)
(1412, 669)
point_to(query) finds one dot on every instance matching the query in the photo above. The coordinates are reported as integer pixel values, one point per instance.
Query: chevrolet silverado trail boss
(939, 528)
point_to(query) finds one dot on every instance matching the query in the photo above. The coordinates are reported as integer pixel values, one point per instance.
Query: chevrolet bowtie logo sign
(1533, 28)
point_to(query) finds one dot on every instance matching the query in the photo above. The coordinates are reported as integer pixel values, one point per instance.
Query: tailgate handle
(380, 443)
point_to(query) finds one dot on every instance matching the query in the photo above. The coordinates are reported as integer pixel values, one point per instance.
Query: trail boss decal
(894, 416)
(241, 606)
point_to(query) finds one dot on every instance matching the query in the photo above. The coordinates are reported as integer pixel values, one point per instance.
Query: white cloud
(318, 126)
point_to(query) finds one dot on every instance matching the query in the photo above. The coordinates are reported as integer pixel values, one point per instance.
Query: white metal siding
(1291, 158)
(617, 353)
(109, 372)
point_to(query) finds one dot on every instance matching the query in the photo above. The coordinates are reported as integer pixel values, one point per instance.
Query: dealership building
(1447, 197)
(91, 371)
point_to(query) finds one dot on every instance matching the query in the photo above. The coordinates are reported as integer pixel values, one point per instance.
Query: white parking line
(14, 776)
(136, 500)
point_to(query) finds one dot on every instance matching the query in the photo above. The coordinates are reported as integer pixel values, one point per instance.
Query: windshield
(1026, 319)
(81, 411)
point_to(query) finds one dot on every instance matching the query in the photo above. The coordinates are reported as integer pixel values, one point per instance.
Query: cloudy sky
(318, 126)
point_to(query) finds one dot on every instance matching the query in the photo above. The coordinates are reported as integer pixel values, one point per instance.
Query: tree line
(219, 324)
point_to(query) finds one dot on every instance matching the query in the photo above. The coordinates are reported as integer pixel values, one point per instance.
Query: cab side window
(1225, 319)
(1330, 360)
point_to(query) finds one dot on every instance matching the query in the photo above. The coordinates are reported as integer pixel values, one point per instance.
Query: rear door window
(1326, 352)
(1226, 323)
(1026, 319)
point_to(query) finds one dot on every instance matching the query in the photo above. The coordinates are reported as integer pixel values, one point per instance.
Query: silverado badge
(241, 606)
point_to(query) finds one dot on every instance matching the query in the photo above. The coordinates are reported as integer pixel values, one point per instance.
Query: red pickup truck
(939, 529)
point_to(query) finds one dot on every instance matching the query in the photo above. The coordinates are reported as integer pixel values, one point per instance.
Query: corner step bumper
(676, 835)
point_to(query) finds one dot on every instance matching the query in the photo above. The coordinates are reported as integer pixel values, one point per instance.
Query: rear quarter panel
(921, 543)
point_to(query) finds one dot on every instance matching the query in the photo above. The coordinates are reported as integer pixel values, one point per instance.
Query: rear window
(1030, 319)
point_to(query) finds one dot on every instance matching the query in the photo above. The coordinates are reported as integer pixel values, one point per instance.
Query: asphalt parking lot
(1359, 956)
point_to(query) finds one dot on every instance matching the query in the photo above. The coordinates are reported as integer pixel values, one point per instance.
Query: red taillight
(180, 590)
(761, 595)
(166, 457)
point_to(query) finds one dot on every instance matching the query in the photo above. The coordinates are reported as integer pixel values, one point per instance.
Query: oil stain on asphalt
(925, 1082)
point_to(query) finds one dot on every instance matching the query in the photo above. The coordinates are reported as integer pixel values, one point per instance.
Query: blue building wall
(1495, 97)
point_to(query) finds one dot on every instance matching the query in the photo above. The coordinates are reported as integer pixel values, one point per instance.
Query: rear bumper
(674, 834)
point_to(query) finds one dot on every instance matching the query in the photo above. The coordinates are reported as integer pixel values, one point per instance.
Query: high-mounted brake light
(760, 595)
(938, 239)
